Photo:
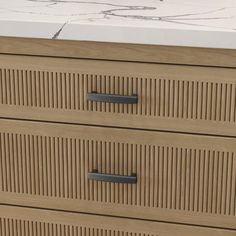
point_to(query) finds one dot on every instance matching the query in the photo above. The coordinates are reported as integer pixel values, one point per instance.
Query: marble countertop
(196, 23)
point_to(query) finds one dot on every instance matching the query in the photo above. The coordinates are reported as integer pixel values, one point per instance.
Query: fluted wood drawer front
(182, 98)
(19, 221)
(180, 178)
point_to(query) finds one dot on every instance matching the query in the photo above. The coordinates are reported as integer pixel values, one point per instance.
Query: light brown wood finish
(117, 51)
(175, 98)
(15, 221)
(186, 179)
(181, 178)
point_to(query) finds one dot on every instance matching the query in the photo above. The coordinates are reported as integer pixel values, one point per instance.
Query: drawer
(159, 176)
(169, 97)
(19, 221)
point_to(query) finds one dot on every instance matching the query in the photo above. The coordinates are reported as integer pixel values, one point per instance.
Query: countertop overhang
(202, 23)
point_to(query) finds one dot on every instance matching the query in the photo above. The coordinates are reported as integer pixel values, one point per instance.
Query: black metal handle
(112, 98)
(126, 179)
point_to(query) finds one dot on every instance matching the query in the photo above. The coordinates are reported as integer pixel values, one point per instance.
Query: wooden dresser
(105, 139)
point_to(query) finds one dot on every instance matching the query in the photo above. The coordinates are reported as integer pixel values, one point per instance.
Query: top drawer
(169, 97)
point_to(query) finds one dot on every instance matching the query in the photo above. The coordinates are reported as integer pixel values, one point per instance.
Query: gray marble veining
(207, 23)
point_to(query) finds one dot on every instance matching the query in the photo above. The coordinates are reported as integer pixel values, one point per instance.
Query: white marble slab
(197, 23)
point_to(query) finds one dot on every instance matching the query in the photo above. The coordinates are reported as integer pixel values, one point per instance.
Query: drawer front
(19, 221)
(180, 98)
(180, 178)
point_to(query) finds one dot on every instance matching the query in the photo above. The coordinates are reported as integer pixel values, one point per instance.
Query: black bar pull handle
(126, 179)
(112, 98)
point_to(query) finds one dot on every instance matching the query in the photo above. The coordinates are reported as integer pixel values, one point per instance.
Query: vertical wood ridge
(169, 177)
(20, 227)
(158, 97)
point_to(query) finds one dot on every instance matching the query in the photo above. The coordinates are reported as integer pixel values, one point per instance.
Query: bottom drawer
(19, 221)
